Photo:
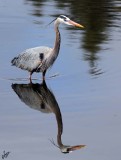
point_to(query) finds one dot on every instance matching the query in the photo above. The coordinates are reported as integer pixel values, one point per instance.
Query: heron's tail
(14, 61)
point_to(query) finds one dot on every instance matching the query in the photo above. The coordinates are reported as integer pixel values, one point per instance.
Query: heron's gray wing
(31, 58)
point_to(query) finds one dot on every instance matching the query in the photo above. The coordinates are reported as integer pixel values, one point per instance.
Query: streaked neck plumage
(56, 48)
(57, 39)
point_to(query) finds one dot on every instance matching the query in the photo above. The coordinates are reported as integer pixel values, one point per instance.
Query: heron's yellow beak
(75, 24)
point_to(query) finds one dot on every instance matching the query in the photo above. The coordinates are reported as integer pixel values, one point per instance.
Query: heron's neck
(57, 41)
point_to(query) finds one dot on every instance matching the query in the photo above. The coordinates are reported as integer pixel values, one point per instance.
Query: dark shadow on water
(39, 97)
(37, 4)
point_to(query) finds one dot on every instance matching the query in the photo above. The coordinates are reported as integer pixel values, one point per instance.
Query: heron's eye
(65, 20)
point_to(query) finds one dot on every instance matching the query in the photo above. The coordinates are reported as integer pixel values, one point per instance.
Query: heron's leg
(43, 75)
(30, 77)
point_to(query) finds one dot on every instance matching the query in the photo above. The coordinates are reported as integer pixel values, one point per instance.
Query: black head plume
(51, 22)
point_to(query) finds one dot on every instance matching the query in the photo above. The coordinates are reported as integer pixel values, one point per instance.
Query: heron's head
(66, 20)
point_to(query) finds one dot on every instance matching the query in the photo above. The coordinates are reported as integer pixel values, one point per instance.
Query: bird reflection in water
(39, 97)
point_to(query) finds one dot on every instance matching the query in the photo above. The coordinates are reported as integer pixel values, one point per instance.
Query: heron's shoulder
(41, 49)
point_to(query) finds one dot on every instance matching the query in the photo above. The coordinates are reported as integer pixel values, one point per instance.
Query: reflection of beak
(73, 148)
(69, 149)
(75, 24)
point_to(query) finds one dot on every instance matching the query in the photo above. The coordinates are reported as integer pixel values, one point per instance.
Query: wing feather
(30, 59)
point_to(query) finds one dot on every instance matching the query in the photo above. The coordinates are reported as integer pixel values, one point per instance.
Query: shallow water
(83, 84)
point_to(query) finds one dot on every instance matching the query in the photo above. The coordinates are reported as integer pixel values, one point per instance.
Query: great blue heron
(39, 59)
(40, 97)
